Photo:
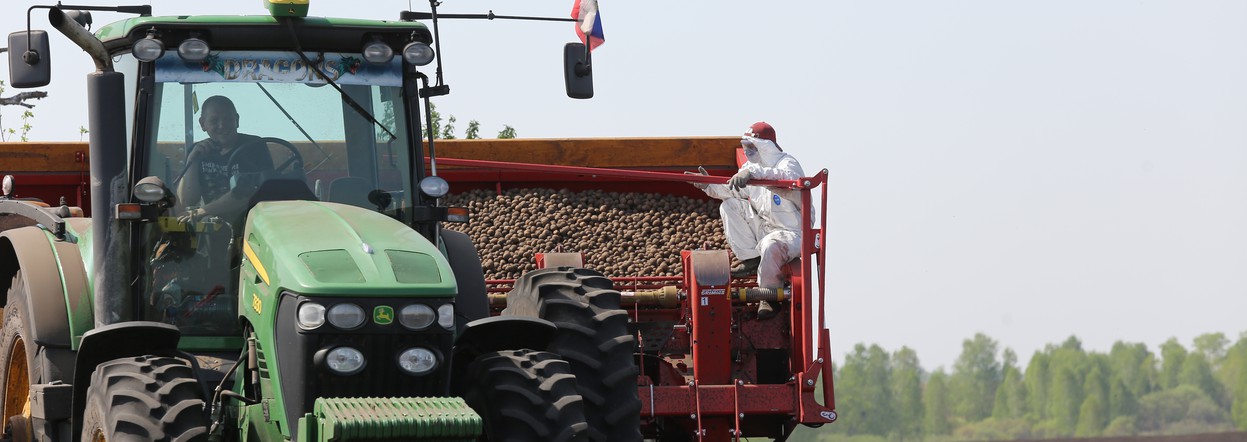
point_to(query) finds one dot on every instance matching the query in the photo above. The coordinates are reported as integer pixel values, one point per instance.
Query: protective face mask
(751, 151)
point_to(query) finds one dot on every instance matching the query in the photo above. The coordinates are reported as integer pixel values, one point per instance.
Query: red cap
(762, 130)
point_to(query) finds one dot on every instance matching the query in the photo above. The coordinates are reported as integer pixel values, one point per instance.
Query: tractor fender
(116, 341)
(55, 277)
(495, 334)
(472, 302)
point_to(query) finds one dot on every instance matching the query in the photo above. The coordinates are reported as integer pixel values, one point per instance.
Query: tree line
(1063, 391)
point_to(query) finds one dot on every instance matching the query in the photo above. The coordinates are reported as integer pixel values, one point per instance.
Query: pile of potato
(620, 234)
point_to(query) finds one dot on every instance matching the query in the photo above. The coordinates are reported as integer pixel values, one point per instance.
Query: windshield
(244, 127)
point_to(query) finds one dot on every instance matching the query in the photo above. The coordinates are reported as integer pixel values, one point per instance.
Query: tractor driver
(212, 180)
(762, 224)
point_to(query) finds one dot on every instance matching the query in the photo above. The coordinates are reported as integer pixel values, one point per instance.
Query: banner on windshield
(278, 67)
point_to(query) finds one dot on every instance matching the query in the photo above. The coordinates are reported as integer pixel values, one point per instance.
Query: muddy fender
(472, 302)
(496, 334)
(116, 341)
(39, 256)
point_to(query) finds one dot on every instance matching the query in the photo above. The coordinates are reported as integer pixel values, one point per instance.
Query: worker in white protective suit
(762, 224)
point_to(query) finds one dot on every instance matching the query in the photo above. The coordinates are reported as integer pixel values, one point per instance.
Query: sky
(1030, 170)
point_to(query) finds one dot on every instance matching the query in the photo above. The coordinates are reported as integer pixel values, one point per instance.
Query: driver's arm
(232, 201)
(190, 194)
(188, 190)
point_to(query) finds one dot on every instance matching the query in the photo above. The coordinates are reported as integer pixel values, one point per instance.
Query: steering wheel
(291, 168)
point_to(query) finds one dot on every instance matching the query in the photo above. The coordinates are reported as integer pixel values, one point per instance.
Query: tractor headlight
(311, 315)
(418, 53)
(416, 316)
(446, 316)
(148, 49)
(434, 186)
(345, 361)
(193, 49)
(151, 189)
(417, 361)
(378, 52)
(346, 316)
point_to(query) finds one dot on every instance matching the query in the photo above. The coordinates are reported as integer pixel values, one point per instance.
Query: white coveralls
(763, 221)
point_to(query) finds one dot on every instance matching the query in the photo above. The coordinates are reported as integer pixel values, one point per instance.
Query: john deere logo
(383, 315)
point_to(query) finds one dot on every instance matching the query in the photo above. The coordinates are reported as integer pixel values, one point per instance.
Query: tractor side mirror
(577, 72)
(29, 59)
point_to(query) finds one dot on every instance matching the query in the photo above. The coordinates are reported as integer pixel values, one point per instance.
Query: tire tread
(593, 337)
(145, 398)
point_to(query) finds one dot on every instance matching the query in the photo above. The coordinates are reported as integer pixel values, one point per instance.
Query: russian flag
(588, 23)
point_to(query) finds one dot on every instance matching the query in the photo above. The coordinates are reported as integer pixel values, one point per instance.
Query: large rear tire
(16, 351)
(593, 337)
(526, 395)
(145, 398)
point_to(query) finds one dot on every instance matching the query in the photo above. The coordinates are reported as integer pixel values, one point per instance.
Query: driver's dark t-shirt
(215, 170)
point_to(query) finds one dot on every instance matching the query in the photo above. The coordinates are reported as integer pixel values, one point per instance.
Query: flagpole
(588, 54)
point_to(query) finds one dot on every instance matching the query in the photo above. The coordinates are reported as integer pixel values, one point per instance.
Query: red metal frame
(713, 399)
(51, 187)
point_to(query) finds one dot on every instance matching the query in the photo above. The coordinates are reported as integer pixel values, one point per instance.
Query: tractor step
(403, 418)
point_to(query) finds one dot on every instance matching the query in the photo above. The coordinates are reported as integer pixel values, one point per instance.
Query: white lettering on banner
(713, 291)
(273, 66)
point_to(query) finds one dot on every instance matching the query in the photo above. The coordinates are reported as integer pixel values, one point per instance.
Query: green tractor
(298, 286)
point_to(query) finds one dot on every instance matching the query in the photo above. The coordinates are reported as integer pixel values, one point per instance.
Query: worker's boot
(746, 268)
(765, 311)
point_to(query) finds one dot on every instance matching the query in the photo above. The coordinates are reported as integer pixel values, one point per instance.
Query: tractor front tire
(526, 395)
(145, 398)
(593, 337)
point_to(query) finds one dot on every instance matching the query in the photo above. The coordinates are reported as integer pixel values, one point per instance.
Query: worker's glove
(739, 180)
(700, 171)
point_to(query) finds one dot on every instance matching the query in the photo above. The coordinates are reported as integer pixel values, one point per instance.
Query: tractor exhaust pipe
(106, 98)
(109, 186)
(81, 37)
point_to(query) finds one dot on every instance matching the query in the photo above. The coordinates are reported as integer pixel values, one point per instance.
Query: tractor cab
(228, 130)
(233, 112)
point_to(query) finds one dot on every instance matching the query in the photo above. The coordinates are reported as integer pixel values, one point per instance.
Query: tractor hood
(319, 248)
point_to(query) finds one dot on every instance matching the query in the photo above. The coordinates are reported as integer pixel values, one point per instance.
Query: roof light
(378, 52)
(193, 49)
(148, 49)
(418, 53)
